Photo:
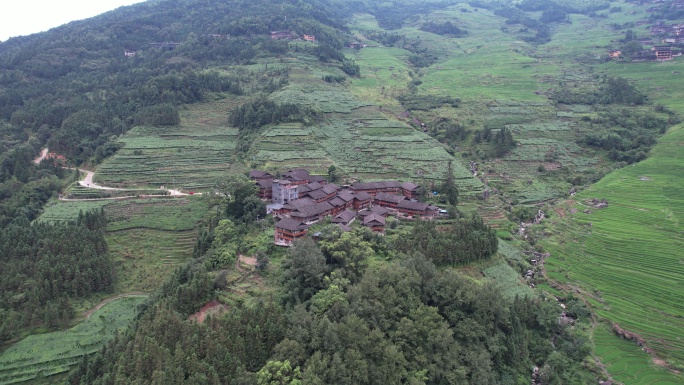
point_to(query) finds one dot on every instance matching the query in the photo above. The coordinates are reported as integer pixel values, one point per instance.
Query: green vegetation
(44, 267)
(627, 362)
(633, 244)
(47, 354)
(500, 108)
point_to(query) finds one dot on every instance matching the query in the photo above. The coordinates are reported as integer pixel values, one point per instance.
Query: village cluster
(300, 200)
(669, 38)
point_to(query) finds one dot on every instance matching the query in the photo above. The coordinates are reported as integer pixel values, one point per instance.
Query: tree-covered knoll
(43, 267)
(403, 323)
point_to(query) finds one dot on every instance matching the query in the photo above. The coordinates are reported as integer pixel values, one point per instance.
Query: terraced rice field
(43, 355)
(360, 140)
(68, 211)
(627, 362)
(630, 253)
(147, 238)
(189, 157)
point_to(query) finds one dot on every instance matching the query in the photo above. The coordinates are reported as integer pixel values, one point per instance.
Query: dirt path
(42, 156)
(88, 181)
(97, 307)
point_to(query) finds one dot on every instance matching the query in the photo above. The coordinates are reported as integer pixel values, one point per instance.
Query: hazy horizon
(27, 17)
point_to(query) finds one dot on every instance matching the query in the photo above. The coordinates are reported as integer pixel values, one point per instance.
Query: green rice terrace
(627, 256)
(43, 355)
(188, 157)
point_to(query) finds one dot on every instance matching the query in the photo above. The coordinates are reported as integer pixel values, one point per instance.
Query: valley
(419, 103)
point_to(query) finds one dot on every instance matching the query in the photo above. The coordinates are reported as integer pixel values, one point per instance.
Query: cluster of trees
(388, 39)
(258, 113)
(627, 134)
(611, 90)
(446, 28)
(350, 68)
(513, 15)
(466, 240)
(449, 132)
(426, 103)
(43, 266)
(234, 209)
(340, 322)
(165, 348)
(392, 15)
(24, 186)
(502, 142)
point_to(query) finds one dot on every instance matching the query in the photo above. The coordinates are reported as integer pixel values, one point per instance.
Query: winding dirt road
(88, 181)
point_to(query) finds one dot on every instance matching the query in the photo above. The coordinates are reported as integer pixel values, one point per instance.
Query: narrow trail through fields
(87, 182)
(97, 307)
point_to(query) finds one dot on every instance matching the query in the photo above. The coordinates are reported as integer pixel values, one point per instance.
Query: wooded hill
(410, 307)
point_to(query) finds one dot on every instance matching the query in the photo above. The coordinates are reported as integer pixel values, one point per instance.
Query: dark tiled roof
(362, 196)
(313, 186)
(337, 202)
(344, 227)
(330, 188)
(316, 194)
(344, 217)
(264, 183)
(299, 203)
(409, 186)
(374, 210)
(368, 220)
(347, 196)
(415, 206)
(257, 174)
(385, 197)
(297, 174)
(317, 178)
(376, 185)
(379, 210)
(313, 210)
(290, 224)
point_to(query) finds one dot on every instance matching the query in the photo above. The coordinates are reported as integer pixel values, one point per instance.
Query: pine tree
(449, 187)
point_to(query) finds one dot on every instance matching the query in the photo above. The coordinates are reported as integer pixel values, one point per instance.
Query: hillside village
(665, 42)
(300, 199)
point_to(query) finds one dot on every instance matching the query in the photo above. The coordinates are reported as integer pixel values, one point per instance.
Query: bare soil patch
(213, 307)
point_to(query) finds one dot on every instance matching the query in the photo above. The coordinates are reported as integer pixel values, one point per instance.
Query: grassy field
(43, 355)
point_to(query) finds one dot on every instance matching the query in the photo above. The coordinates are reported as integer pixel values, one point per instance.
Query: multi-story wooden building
(289, 230)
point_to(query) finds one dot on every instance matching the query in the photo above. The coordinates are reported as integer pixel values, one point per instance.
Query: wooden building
(362, 200)
(663, 53)
(346, 217)
(289, 230)
(389, 201)
(417, 209)
(375, 222)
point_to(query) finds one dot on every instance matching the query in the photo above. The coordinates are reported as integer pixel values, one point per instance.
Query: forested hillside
(501, 115)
